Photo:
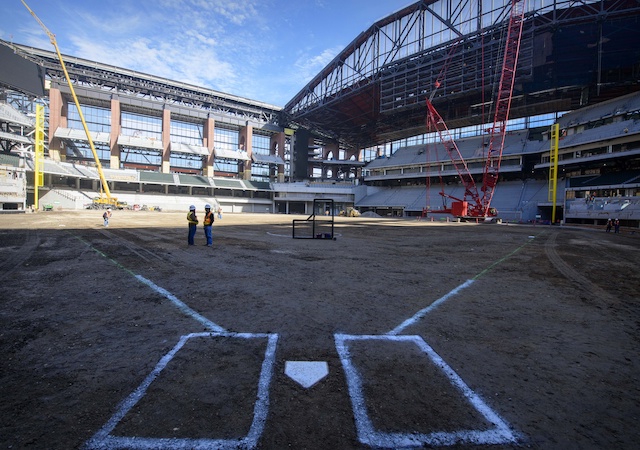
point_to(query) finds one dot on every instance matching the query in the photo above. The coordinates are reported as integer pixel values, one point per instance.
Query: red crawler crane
(474, 205)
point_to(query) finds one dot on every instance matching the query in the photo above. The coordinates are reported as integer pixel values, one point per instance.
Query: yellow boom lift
(100, 201)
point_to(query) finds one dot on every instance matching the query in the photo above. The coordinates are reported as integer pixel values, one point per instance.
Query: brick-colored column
(114, 162)
(209, 131)
(356, 153)
(331, 147)
(246, 144)
(57, 118)
(166, 140)
(277, 148)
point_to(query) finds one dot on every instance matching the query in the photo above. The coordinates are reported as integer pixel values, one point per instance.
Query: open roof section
(374, 91)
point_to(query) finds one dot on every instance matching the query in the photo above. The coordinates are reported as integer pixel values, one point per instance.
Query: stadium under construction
(356, 135)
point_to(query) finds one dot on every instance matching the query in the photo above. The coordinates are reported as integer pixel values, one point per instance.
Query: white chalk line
(182, 306)
(368, 435)
(103, 439)
(423, 312)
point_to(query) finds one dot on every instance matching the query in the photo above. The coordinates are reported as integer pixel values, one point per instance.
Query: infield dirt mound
(546, 334)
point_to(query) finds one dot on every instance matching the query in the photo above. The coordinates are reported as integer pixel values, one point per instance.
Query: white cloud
(214, 11)
(35, 39)
(237, 12)
(202, 38)
(187, 63)
(309, 66)
(108, 23)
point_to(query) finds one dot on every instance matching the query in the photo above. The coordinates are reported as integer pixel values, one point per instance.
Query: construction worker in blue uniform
(193, 223)
(207, 223)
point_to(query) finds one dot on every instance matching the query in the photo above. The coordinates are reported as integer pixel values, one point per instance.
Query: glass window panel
(97, 119)
(226, 165)
(260, 172)
(82, 150)
(138, 125)
(186, 161)
(187, 133)
(260, 144)
(140, 156)
(224, 138)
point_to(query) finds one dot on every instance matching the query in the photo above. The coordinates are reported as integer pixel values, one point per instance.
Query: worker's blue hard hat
(192, 208)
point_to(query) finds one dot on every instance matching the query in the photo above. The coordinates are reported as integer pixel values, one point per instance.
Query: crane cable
(437, 84)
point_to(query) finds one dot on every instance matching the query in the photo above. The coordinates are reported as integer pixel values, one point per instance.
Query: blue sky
(265, 50)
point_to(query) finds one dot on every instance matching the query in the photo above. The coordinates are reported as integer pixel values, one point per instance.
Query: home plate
(306, 373)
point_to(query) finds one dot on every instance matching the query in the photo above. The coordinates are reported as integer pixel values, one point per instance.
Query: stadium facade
(356, 133)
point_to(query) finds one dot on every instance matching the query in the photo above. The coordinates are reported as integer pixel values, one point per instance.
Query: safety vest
(208, 219)
(191, 218)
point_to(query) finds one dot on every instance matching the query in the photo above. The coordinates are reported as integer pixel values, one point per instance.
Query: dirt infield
(465, 335)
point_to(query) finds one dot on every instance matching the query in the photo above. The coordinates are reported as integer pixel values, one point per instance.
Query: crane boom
(52, 37)
(503, 104)
(479, 206)
(435, 123)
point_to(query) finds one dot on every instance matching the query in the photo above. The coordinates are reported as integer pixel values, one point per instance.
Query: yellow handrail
(553, 169)
(38, 169)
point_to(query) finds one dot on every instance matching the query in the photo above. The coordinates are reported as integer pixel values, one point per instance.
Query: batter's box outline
(501, 433)
(104, 440)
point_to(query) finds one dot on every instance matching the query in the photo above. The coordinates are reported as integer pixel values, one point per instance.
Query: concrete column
(57, 118)
(209, 131)
(166, 140)
(115, 132)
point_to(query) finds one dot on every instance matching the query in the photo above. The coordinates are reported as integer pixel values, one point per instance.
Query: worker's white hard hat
(207, 206)
(192, 208)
